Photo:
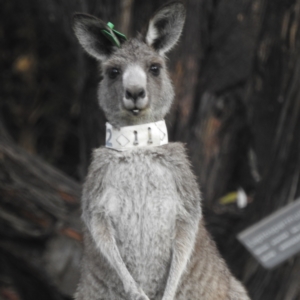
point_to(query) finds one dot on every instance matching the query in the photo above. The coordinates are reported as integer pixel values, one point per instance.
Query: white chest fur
(141, 200)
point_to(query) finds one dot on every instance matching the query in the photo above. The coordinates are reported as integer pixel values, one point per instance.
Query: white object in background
(241, 198)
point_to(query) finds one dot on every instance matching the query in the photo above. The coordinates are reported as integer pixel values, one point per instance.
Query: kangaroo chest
(142, 203)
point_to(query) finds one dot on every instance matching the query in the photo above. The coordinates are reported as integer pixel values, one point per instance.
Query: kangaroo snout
(135, 99)
(135, 95)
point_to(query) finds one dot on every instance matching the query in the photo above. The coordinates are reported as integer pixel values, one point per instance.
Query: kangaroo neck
(136, 136)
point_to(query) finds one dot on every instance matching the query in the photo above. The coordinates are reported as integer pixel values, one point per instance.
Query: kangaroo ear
(88, 30)
(165, 27)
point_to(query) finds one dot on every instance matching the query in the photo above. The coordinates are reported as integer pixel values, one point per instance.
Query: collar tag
(137, 136)
(113, 35)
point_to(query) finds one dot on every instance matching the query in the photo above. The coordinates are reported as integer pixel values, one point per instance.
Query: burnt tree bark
(40, 227)
(235, 72)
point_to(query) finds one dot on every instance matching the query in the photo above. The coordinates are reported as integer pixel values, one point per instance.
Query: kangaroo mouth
(135, 111)
(137, 106)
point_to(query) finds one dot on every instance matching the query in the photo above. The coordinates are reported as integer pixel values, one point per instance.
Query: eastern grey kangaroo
(144, 235)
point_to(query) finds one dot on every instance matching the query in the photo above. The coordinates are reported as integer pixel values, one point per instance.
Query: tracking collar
(136, 136)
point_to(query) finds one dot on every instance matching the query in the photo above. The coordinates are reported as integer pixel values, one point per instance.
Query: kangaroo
(144, 236)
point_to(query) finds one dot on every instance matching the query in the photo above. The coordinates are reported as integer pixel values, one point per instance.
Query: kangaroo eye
(113, 73)
(155, 69)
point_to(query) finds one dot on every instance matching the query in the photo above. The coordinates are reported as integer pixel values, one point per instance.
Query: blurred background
(236, 73)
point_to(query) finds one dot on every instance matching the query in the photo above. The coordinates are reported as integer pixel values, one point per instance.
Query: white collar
(137, 136)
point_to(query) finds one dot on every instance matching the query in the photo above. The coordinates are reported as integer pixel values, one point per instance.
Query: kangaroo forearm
(183, 247)
(102, 234)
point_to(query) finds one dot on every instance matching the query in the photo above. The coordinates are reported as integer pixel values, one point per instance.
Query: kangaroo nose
(134, 94)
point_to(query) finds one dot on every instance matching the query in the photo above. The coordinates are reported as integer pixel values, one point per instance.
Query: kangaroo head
(136, 87)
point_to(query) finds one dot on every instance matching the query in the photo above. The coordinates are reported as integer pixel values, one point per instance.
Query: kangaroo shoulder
(183, 175)
(98, 168)
(178, 160)
(174, 155)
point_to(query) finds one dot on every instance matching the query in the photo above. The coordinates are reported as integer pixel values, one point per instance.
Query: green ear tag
(113, 35)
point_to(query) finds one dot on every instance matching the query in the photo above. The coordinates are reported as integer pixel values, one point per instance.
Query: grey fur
(144, 235)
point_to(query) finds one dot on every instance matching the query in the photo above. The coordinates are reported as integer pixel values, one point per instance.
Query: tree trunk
(39, 227)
